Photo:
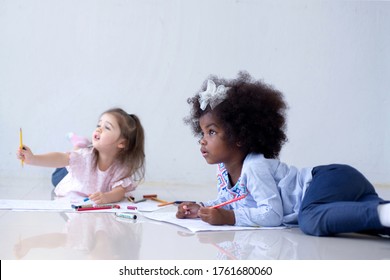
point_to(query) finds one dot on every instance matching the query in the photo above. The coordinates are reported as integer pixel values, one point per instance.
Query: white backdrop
(64, 62)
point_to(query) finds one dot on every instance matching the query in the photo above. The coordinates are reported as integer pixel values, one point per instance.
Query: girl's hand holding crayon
(217, 216)
(115, 195)
(187, 210)
(25, 154)
(213, 216)
(99, 198)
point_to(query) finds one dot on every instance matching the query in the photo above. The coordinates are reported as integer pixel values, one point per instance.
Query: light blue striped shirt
(274, 192)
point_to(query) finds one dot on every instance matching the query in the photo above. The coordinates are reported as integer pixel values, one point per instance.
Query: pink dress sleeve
(84, 178)
(126, 183)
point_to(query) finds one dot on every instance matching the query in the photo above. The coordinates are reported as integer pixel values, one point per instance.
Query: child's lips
(204, 152)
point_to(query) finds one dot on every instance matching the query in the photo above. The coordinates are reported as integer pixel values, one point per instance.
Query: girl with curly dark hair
(241, 124)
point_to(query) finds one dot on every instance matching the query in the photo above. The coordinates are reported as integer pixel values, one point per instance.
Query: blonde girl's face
(107, 135)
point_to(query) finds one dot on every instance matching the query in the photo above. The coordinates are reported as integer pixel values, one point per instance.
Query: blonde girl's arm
(115, 195)
(54, 159)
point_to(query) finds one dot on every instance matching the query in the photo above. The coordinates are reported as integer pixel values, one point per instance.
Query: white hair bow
(213, 95)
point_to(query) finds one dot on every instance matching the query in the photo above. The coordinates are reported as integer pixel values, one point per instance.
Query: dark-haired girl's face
(214, 146)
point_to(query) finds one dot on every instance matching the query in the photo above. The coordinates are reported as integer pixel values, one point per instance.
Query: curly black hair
(253, 114)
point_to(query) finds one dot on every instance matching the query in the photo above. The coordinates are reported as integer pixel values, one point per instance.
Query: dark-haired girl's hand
(187, 210)
(217, 216)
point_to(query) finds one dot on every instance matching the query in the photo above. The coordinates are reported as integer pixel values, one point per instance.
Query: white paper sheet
(196, 225)
(65, 205)
(37, 205)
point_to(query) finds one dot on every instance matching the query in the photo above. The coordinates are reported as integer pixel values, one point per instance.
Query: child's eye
(107, 127)
(212, 132)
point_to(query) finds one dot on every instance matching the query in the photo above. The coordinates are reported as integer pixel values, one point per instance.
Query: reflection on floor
(54, 235)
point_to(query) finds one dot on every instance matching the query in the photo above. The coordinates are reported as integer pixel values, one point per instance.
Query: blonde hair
(132, 156)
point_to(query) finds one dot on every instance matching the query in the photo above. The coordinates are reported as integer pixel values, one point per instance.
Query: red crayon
(95, 208)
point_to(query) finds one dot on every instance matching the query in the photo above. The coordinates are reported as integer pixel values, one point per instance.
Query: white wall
(64, 62)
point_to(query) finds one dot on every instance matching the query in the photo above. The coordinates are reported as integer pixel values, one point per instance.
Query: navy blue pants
(340, 200)
(58, 175)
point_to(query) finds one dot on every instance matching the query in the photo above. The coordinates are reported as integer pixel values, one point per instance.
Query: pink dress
(84, 179)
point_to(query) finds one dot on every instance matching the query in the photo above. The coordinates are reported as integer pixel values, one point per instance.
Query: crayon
(228, 202)
(21, 144)
(126, 216)
(154, 197)
(175, 202)
(94, 208)
(98, 207)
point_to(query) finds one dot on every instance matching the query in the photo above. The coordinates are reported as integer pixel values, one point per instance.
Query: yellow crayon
(21, 143)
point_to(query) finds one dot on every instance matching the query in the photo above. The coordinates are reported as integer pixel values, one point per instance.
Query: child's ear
(122, 144)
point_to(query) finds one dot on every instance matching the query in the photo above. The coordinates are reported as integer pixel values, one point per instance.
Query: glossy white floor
(54, 235)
